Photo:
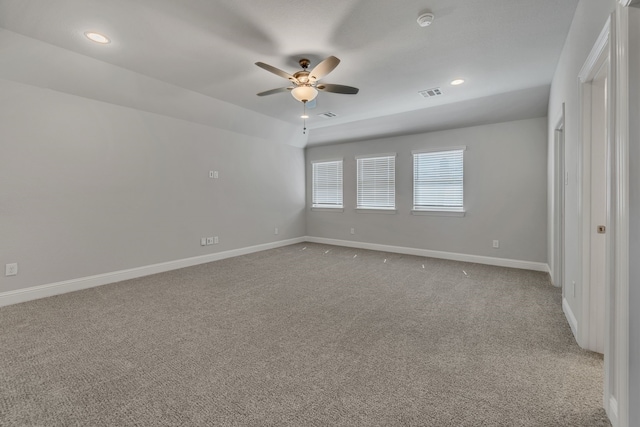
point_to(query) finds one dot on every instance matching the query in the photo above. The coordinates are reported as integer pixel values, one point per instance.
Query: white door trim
(625, 3)
(620, 212)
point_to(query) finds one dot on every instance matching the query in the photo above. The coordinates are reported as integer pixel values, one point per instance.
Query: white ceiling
(506, 50)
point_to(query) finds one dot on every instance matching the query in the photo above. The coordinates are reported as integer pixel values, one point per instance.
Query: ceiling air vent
(328, 115)
(431, 92)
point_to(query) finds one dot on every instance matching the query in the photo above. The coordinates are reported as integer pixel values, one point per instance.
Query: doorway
(596, 169)
(560, 181)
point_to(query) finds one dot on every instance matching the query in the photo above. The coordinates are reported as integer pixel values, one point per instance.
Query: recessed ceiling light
(97, 37)
(304, 116)
(457, 82)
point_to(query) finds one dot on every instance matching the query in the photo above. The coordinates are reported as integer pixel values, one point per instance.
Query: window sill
(317, 209)
(379, 211)
(425, 212)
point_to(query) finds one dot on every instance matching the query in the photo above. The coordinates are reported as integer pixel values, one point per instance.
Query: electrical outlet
(11, 269)
(215, 240)
(275, 230)
(353, 230)
(496, 244)
(209, 240)
(215, 174)
(203, 241)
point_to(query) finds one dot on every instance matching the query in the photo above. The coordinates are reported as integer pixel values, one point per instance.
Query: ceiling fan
(305, 83)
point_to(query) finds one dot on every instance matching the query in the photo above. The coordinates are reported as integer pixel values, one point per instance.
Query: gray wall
(88, 187)
(505, 193)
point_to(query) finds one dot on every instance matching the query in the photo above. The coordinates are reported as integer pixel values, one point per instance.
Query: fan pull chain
(304, 117)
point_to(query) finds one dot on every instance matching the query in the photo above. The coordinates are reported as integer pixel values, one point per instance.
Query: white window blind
(438, 180)
(327, 184)
(377, 182)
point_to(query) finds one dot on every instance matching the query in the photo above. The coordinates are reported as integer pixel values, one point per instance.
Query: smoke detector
(425, 19)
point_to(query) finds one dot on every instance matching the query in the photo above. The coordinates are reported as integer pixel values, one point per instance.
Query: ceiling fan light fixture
(304, 93)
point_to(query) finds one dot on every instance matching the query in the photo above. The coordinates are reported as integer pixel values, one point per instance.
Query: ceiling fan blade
(324, 68)
(347, 90)
(277, 71)
(272, 91)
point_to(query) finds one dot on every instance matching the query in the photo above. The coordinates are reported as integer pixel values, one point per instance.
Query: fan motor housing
(302, 76)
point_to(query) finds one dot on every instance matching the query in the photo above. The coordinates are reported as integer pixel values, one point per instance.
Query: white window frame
(390, 192)
(339, 182)
(437, 209)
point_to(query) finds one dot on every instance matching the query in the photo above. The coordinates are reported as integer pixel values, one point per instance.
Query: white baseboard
(42, 291)
(500, 262)
(573, 323)
(551, 275)
(612, 411)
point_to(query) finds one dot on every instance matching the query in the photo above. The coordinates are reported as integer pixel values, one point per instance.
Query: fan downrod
(304, 63)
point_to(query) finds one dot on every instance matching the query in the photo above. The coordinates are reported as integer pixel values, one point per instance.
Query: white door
(598, 209)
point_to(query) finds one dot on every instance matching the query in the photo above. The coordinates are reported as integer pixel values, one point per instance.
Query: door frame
(613, 42)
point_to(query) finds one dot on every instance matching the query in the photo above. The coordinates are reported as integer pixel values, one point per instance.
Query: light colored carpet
(305, 335)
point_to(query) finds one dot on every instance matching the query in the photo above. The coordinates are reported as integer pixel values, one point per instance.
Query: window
(438, 180)
(327, 184)
(377, 182)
